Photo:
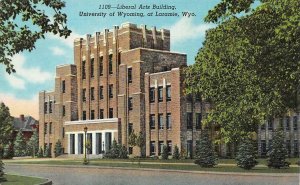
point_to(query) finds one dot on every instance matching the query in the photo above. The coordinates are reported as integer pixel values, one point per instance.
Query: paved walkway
(67, 175)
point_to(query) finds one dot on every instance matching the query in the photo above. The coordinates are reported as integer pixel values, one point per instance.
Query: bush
(123, 154)
(58, 148)
(176, 154)
(165, 153)
(278, 154)
(116, 151)
(205, 154)
(47, 152)
(1, 170)
(40, 153)
(246, 155)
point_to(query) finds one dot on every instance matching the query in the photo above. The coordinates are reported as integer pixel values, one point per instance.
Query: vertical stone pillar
(76, 143)
(94, 143)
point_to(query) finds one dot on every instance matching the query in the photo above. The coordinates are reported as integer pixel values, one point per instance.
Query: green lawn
(20, 180)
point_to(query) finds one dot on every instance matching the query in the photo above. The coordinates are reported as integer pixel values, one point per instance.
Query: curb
(48, 182)
(167, 170)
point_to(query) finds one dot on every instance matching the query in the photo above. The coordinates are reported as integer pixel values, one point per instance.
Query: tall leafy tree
(6, 127)
(20, 145)
(249, 65)
(22, 23)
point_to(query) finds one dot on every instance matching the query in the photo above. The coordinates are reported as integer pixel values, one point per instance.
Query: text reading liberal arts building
(126, 80)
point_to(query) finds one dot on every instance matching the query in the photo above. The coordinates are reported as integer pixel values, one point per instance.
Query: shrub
(176, 154)
(165, 153)
(1, 170)
(58, 148)
(47, 152)
(246, 155)
(116, 151)
(40, 153)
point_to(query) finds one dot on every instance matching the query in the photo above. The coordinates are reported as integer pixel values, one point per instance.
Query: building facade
(123, 80)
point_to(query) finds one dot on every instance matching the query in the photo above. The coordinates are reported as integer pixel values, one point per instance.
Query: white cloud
(25, 74)
(68, 41)
(185, 29)
(57, 51)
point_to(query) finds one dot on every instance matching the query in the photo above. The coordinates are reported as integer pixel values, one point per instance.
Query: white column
(103, 141)
(94, 143)
(112, 137)
(69, 149)
(76, 143)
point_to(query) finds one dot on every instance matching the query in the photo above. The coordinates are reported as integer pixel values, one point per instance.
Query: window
(101, 92)
(130, 149)
(152, 121)
(110, 67)
(83, 95)
(169, 147)
(270, 124)
(152, 148)
(189, 147)
(160, 94)
(129, 72)
(130, 103)
(45, 128)
(50, 128)
(92, 114)
(92, 67)
(92, 93)
(83, 115)
(45, 108)
(111, 95)
(50, 107)
(101, 112)
(152, 94)
(169, 121)
(287, 123)
(270, 145)
(101, 66)
(263, 148)
(168, 93)
(130, 128)
(198, 121)
(83, 70)
(63, 132)
(288, 146)
(189, 120)
(296, 148)
(119, 58)
(161, 147)
(295, 120)
(161, 121)
(111, 112)
(63, 86)
(64, 110)
(281, 123)
(263, 126)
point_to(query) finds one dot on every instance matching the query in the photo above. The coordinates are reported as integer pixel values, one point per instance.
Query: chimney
(22, 118)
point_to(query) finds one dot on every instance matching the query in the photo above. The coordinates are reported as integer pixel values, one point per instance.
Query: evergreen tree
(165, 153)
(205, 154)
(40, 153)
(123, 153)
(47, 152)
(6, 127)
(20, 145)
(1, 170)
(33, 144)
(58, 148)
(278, 154)
(246, 154)
(176, 154)
(8, 151)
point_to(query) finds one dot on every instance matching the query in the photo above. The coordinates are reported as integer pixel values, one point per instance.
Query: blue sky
(36, 69)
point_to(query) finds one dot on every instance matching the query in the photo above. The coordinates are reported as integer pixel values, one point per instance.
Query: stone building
(123, 80)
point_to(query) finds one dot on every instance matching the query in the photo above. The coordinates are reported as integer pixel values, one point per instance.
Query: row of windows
(159, 94)
(288, 146)
(48, 109)
(100, 116)
(160, 149)
(287, 125)
(161, 121)
(101, 96)
(46, 128)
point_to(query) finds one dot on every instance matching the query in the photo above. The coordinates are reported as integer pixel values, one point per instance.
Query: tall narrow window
(160, 94)
(110, 66)
(101, 92)
(152, 121)
(83, 70)
(111, 112)
(189, 120)
(152, 148)
(198, 121)
(45, 128)
(92, 114)
(295, 120)
(130, 103)
(281, 123)
(263, 126)
(168, 90)
(64, 110)
(169, 121)
(101, 66)
(169, 147)
(270, 124)
(63, 86)
(50, 128)
(92, 93)
(84, 95)
(152, 95)
(101, 112)
(50, 107)
(161, 121)
(287, 123)
(92, 67)
(129, 72)
(111, 95)
(83, 115)
(45, 108)
(161, 146)
(130, 128)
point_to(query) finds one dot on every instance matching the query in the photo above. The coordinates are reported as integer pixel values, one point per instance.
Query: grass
(20, 180)
(174, 165)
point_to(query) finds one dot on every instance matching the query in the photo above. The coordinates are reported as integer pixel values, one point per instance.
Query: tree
(165, 153)
(20, 145)
(1, 170)
(117, 151)
(47, 151)
(58, 148)
(40, 153)
(176, 154)
(39, 17)
(137, 140)
(8, 151)
(248, 67)
(205, 154)
(6, 127)
(278, 154)
(33, 144)
(246, 154)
